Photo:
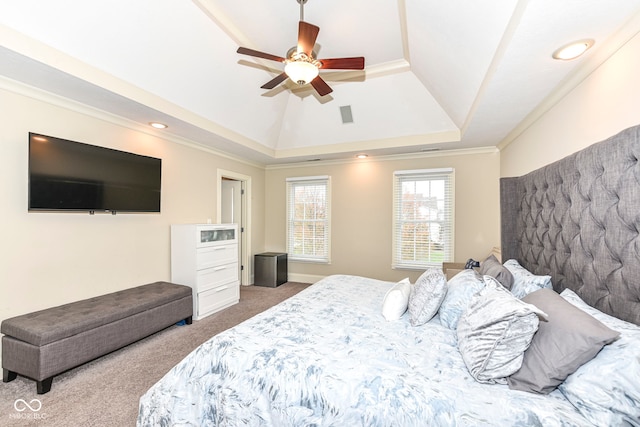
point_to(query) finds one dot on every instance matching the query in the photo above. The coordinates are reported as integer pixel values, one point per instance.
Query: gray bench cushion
(71, 319)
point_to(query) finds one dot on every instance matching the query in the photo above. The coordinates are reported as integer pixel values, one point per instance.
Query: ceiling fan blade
(256, 53)
(321, 86)
(356, 63)
(307, 34)
(275, 82)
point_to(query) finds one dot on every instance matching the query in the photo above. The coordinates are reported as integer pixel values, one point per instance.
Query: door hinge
(241, 267)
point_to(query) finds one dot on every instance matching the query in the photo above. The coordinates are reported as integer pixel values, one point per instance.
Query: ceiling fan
(301, 65)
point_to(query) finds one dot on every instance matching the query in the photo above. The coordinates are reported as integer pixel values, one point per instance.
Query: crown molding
(392, 157)
(78, 107)
(598, 57)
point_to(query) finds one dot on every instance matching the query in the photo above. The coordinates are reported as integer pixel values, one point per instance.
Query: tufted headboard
(578, 220)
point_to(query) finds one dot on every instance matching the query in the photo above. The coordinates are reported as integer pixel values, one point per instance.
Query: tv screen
(73, 176)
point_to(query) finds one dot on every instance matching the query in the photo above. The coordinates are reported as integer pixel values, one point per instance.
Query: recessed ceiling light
(361, 156)
(573, 50)
(158, 125)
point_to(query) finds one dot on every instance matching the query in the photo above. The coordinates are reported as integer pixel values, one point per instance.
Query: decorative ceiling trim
(599, 56)
(370, 145)
(222, 21)
(392, 157)
(62, 62)
(41, 95)
(404, 34)
(503, 46)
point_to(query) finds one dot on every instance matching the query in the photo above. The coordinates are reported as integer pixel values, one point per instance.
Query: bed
(329, 357)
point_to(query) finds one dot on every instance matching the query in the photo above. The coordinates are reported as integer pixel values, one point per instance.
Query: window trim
(396, 261)
(290, 182)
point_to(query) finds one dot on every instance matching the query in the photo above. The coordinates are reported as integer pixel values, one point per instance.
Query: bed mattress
(327, 357)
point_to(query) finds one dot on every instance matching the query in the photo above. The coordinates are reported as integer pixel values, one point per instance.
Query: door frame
(245, 215)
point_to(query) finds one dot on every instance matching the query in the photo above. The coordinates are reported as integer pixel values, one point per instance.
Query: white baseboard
(303, 278)
(300, 278)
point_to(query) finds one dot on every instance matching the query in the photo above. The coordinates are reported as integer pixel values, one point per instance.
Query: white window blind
(308, 219)
(423, 213)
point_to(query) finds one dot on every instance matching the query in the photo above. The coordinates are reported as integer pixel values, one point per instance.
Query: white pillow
(495, 331)
(524, 281)
(396, 300)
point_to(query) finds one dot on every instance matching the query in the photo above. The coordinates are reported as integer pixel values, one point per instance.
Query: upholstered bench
(45, 343)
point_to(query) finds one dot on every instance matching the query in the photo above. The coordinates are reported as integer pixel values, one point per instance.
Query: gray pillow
(426, 296)
(495, 331)
(569, 339)
(492, 267)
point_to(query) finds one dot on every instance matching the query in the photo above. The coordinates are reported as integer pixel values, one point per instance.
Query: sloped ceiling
(439, 74)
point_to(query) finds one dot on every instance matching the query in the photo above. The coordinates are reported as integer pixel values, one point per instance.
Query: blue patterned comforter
(327, 357)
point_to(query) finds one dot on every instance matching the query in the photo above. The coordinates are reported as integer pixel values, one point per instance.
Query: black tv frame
(69, 176)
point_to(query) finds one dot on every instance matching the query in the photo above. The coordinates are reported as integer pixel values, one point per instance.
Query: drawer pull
(220, 268)
(222, 288)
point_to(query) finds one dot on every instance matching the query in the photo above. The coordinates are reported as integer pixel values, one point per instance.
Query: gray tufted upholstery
(578, 220)
(45, 343)
(38, 328)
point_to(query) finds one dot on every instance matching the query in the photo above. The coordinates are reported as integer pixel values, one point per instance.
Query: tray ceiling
(439, 75)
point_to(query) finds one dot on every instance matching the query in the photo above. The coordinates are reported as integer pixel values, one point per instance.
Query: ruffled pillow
(525, 282)
(426, 296)
(460, 290)
(495, 331)
(396, 300)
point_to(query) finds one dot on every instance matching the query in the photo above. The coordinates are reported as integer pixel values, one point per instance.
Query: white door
(231, 211)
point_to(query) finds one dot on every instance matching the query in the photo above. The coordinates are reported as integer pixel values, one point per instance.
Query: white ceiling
(439, 74)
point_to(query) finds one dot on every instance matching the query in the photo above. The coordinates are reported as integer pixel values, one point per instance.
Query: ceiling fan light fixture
(301, 72)
(300, 63)
(573, 50)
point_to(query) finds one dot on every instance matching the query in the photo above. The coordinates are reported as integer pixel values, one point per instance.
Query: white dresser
(205, 257)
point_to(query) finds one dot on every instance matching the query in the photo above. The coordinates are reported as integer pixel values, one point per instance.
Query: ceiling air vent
(345, 112)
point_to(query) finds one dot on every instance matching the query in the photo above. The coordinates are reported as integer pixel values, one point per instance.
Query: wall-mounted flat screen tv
(73, 176)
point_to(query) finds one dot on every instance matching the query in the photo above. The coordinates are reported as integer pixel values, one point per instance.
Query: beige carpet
(106, 391)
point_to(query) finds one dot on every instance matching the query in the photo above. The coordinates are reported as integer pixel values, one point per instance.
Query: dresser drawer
(217, 298)
(216, 276)
(216, 255)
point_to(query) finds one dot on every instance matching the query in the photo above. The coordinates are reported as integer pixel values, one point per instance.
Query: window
(423, 218)
(308, 219)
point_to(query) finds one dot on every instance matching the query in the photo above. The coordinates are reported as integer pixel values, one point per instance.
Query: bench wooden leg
(44, 386)
(8, 376)
(189, 320)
